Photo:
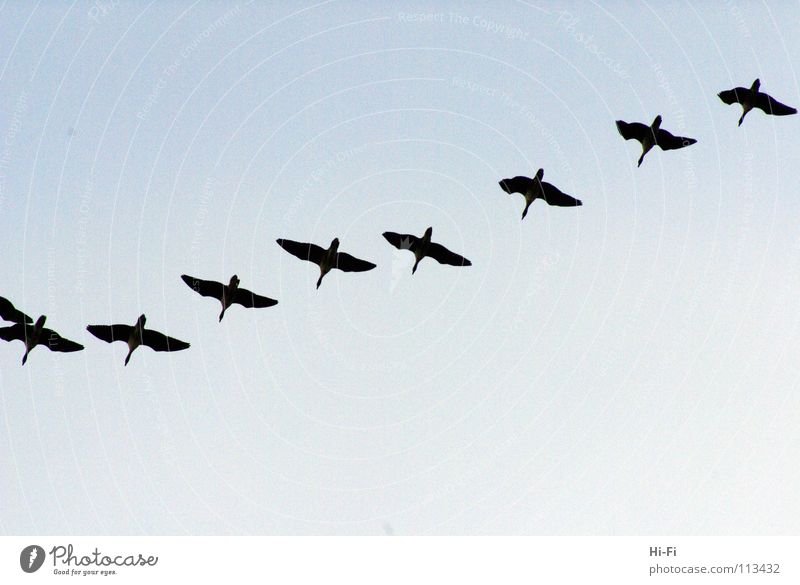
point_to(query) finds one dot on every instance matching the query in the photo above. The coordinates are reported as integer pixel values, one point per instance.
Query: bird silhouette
(422, 247)
(651, 136)
(228, 294)
(135, 336)
(9, 313)
(753, 98)
(36, 334)
(325, 259)
(535, 188)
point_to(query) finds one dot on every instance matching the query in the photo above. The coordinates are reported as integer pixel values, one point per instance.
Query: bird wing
(773, 106)
(733, 96)
(348, 263)
(444, 256)
(310, 252)
(251, 300)
(57, 343)
(667, 141)
(634, 130)
(401, 241)
(13, 332)
(110, 333)
(160, 342)
(517, 184)
(554, 196)
(207, 288)
(9, 313)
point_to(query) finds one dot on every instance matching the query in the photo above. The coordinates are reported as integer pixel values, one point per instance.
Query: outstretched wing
(348, 263)
(634, 130)
(160, 342)
(773, 106)
(55, 342)
(733, 96)
(207, 288)
(310, 252)
(667, 141)
(110, 333)
(444, 256)
(401, 241)
(250, 300)
(553, 196)
(517, 184)
(13, 332)
(9, 313)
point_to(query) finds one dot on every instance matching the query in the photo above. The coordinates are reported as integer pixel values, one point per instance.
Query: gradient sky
(626, 367)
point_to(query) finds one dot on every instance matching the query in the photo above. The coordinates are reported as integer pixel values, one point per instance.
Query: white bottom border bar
(402, 560)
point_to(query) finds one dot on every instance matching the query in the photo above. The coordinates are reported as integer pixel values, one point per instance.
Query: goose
(535, 188)
(652, 136)
(135, 336)
(36, 334)
(228, 294)
(752, 98)
(425, 247)
(325, 259)
(9, 313)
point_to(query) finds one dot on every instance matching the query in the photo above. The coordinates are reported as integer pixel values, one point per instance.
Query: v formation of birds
(33, 333)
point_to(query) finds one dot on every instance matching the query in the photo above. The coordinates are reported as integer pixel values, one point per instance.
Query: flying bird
(651, 136)
(228, 294)
(752, 98)
(425, 247)
(325, 259)
(9, 313)
(535, 188)
(36, 334)
(135, 336)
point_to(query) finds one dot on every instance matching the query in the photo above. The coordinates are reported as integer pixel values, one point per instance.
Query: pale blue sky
(626, 367)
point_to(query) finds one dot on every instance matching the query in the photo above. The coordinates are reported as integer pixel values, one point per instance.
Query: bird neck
(656, 123)
(39, 325)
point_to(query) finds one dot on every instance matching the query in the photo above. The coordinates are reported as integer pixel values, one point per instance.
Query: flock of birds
(33, 334)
